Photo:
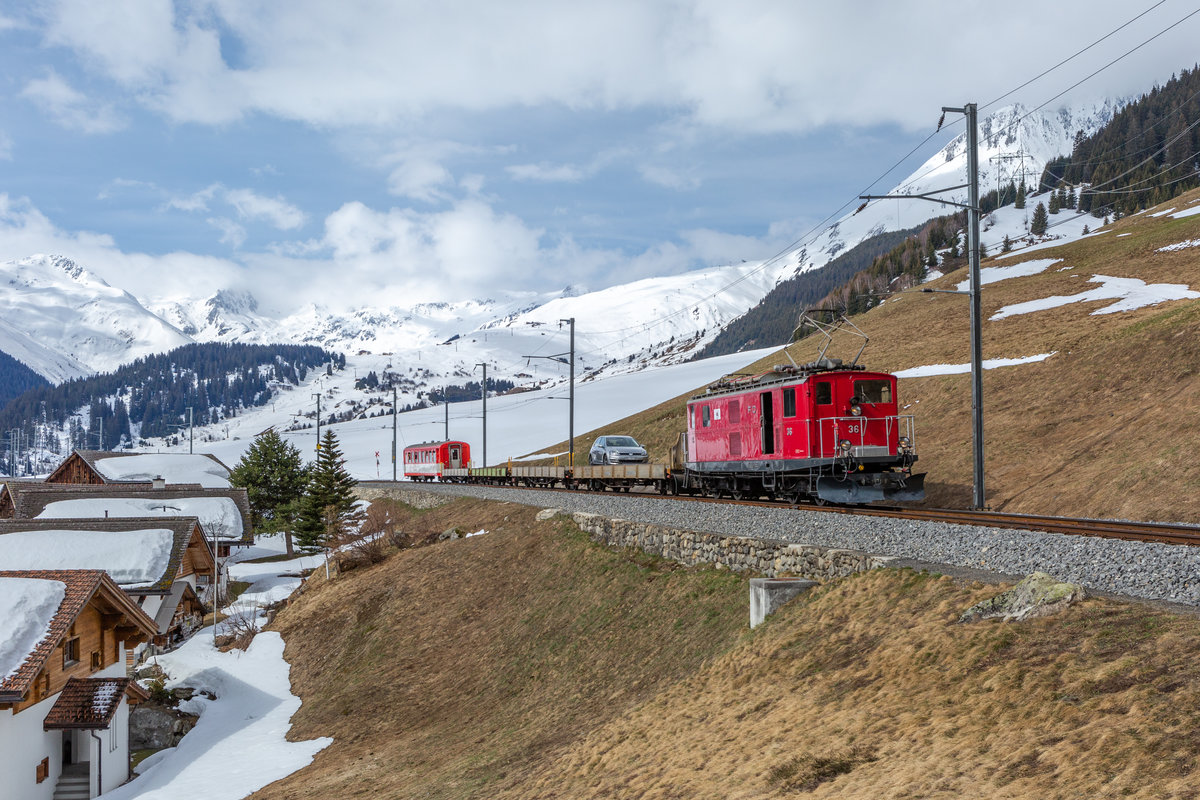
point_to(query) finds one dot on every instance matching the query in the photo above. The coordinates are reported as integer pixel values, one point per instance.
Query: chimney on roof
(159, 482)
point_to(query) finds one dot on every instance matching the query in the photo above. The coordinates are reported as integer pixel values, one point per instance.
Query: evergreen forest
(150, 397)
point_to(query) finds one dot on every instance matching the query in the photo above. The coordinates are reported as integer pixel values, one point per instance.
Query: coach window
(705, 416)
(824, 393)
(789, 402)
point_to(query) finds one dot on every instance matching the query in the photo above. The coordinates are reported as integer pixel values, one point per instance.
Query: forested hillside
(772, 321)
(1145, 156)
(16, 378)
(151, 396)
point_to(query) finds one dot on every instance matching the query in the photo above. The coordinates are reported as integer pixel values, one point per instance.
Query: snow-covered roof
(174, 467)
(220, 516)
(132, 558)
(27, 606)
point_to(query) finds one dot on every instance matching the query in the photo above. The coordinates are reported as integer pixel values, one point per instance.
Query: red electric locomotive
(426, 462)
(827, 431)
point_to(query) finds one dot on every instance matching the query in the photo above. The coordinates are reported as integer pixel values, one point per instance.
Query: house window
(97, 661)
(70, 652)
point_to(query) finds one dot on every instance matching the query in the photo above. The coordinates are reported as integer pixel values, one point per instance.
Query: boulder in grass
(1038, 595)
(548, 513)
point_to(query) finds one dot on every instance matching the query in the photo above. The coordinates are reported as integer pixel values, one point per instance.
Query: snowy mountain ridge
(63, 321)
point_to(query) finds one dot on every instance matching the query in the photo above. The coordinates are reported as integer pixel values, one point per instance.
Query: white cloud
(671, 179)
(248, 204)
(546, 173)
(232, 234)
(197, 201)
(759, 65)
(25, 230)
(420, 178)
(70, 108)
(275, 210)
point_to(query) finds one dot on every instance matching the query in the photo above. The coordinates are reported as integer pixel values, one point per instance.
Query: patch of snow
(27, 606)
(1179, 246)
(958, 369)
(476, 533)
(131, 558)
(219, 515)
(1130, 293)
(996, 274)
(1119, 235)
(175, 467)
(1161, 213)
(238, 746)
(1191, 212)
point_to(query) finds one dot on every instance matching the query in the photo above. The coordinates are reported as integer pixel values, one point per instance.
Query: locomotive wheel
(737, 494)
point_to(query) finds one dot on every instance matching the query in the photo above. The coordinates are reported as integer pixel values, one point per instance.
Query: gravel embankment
(1151, 571)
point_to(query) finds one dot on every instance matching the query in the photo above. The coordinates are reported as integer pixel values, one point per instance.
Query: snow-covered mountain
(62, 321)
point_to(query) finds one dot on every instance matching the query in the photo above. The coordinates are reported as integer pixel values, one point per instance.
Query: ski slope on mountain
(517, 424)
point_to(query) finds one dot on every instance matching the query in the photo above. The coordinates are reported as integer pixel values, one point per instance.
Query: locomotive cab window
(873, 391)
(823, 393)
(705, 416)
(789, 402)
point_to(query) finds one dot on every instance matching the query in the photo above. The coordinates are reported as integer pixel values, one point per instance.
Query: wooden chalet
(84, 467)
(170, 581)
(224, 513)
(64, 692)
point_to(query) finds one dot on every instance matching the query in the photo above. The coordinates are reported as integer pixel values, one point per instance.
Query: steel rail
(1130, 530)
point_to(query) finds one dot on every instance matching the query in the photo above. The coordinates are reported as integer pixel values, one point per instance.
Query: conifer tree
(1054, 203)
(1040, 221)
(330, 491)
(273, 474)
(1007, 245)
(1020, 201)
(1072, 198)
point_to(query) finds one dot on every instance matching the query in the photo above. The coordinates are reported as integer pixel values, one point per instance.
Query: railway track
(1160, 532)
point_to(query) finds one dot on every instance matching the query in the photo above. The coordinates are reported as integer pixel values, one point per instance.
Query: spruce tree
(273, 474)
(1055, 204)
(1040, 221)
(330, 492)
(1020, 201)
(1072, 198)
(1007, 245)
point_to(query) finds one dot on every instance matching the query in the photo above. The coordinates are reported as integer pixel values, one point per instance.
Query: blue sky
(366, 152)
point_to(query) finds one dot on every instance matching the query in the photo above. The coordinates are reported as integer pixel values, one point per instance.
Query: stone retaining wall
(413, 497)
(766, 556)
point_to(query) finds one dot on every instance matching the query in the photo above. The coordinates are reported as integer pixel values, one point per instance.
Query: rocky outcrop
(153, 726)
(1038, 595)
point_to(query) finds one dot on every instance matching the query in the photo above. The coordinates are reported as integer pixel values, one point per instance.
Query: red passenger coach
(822, 430)
(426, 462)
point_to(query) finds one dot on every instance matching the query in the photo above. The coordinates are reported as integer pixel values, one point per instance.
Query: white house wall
(24, 745)
(110, 749)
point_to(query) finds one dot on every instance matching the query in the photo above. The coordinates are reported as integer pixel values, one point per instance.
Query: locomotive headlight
(844, 445)
(856, 409)
(905, 444)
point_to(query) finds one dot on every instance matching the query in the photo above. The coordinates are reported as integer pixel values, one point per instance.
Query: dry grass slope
(529, 663)
(1103, 428)
(447, 671)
